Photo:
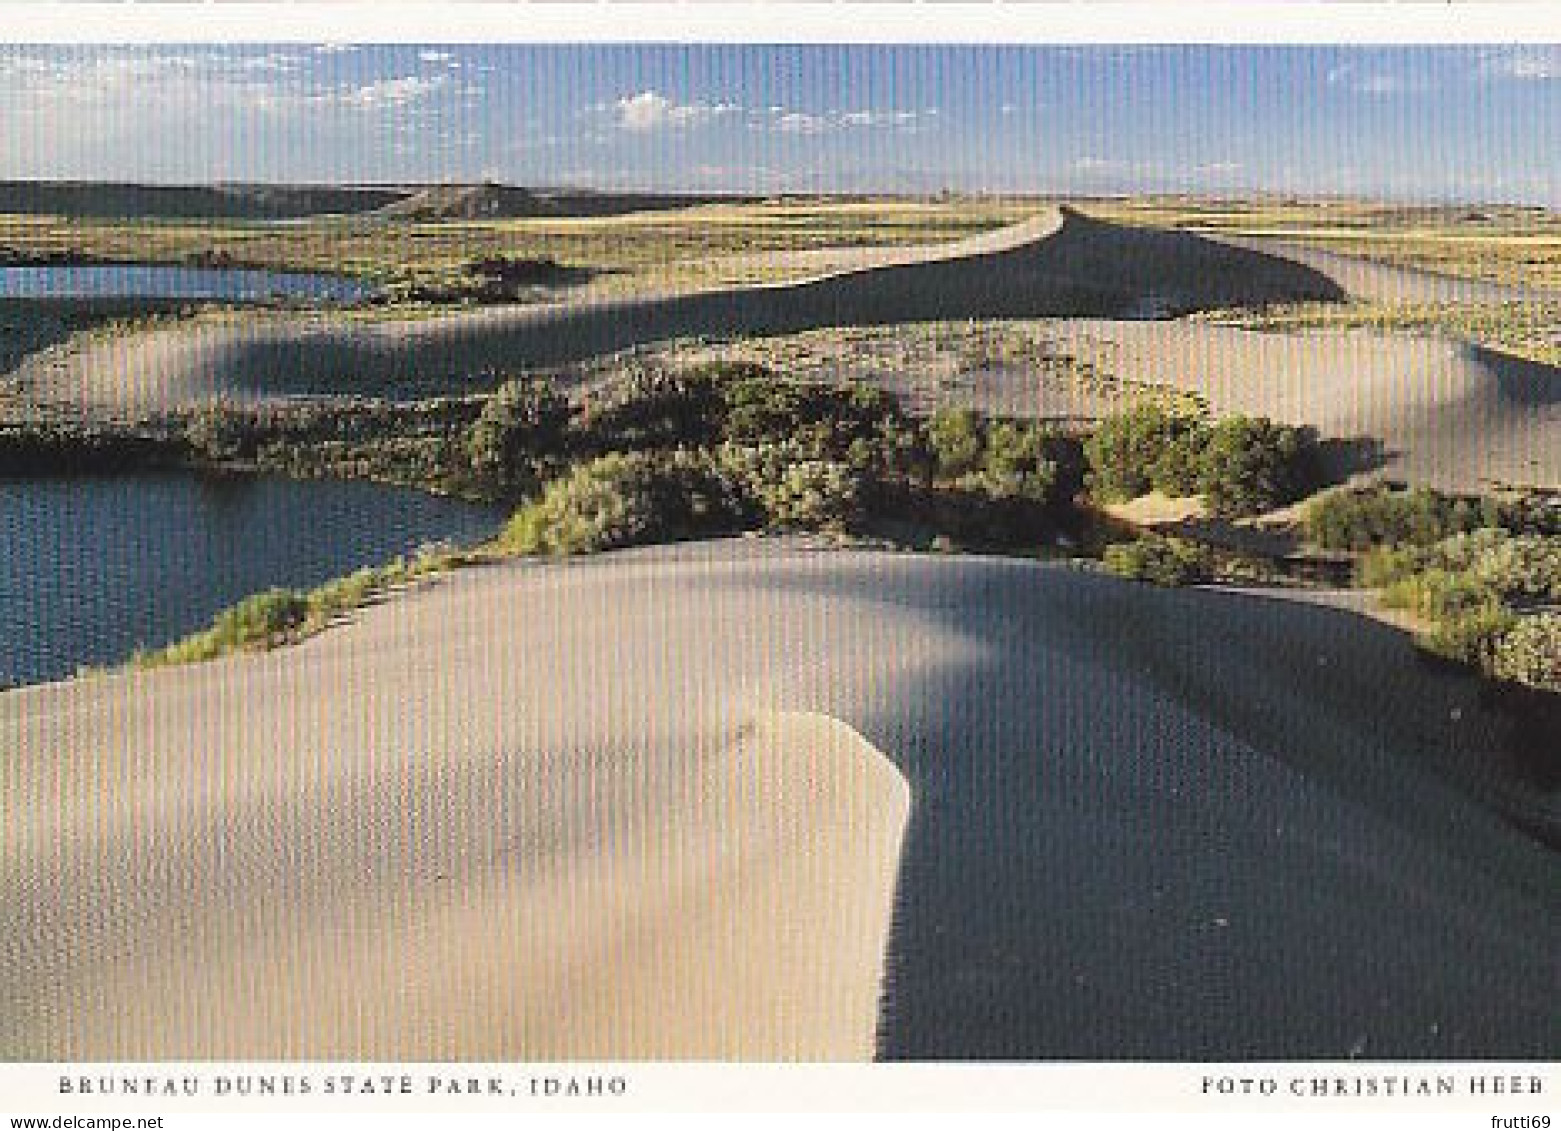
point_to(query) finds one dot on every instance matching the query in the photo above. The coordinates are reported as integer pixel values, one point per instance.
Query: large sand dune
(1440, 411)
(600, 809)
(1058, 265)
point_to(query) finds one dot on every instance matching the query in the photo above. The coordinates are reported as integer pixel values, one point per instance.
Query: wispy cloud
(1376, 83)
(797, 122)
(1521, 64)
(803, 122)
(650, 110)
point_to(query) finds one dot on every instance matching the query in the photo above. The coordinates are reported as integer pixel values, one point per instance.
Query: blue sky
(1469, 123)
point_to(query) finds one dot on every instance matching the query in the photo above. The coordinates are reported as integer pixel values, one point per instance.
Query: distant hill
(494, 201)
(115, 201)
(103, 200)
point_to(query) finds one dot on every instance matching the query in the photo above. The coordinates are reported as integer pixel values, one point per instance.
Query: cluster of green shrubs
(1241, 465)
(1171, 561)
(522, 428)
(626, 499)
(661, 455)
(1515, 567)
(1365, 517)
(1483, 594)
(1160, 560)
(1002, 459)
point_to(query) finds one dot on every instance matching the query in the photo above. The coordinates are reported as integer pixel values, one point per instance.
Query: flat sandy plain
(758, 800)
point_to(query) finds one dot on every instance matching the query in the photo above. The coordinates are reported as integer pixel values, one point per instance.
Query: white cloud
(649, 110)
(390, 93)
(1522, 64)
(1375, 84)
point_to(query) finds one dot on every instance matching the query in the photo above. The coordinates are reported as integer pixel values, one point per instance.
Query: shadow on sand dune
(1196, 825)
(1519, 380)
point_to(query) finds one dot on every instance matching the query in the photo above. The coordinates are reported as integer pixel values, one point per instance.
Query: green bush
(1517, 566)
(1378, 516)
(1159, 560)
(651, 408)
(626, 499)
(1126, 450)
(524, 420)
(956, 437)
(1249, 465)
(814, 495)
(1016, 464)
(1530, 652)
(608, 502)
(262, 617)
(1512, 566)
(788, 487)
(258, 621)
(1471, 636)
(1441, 594)
(1383, 566)
(1178, 472)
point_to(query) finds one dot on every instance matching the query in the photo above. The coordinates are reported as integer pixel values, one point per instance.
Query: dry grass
(1502, 244)
(646, 249)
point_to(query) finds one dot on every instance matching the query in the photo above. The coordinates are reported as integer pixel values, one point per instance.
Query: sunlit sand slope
(560, 810)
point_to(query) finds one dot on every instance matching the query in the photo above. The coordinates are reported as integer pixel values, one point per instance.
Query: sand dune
(1427, 409)
(1441, 411)
(1060, 264)
(551, 810)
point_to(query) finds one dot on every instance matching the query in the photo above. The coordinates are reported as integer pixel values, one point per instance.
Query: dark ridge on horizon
(125, 200)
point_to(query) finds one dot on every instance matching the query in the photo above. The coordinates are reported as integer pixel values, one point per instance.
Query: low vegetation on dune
(284, 616)
(1241, 465)
(726, 448)
(662, 452)
(1481, 575)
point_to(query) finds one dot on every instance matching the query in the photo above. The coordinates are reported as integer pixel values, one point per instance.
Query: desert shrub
(219, 433)
(626, 499)
(1016, 463)
(1517, 566)
(1514, 567)
(651, 408)
(1249, 465)
(1383, 566)
(1159, 560)
(956, 437)
(523, 420)
(1440, 594)
(790, 488)
(1377, 516)
(258, 621)
(1529, 652)
(1470, 636)
(1125, 450)
(854, 423)
(1178, 471)
(1529, 512)
(814, 495)
(599, 505)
